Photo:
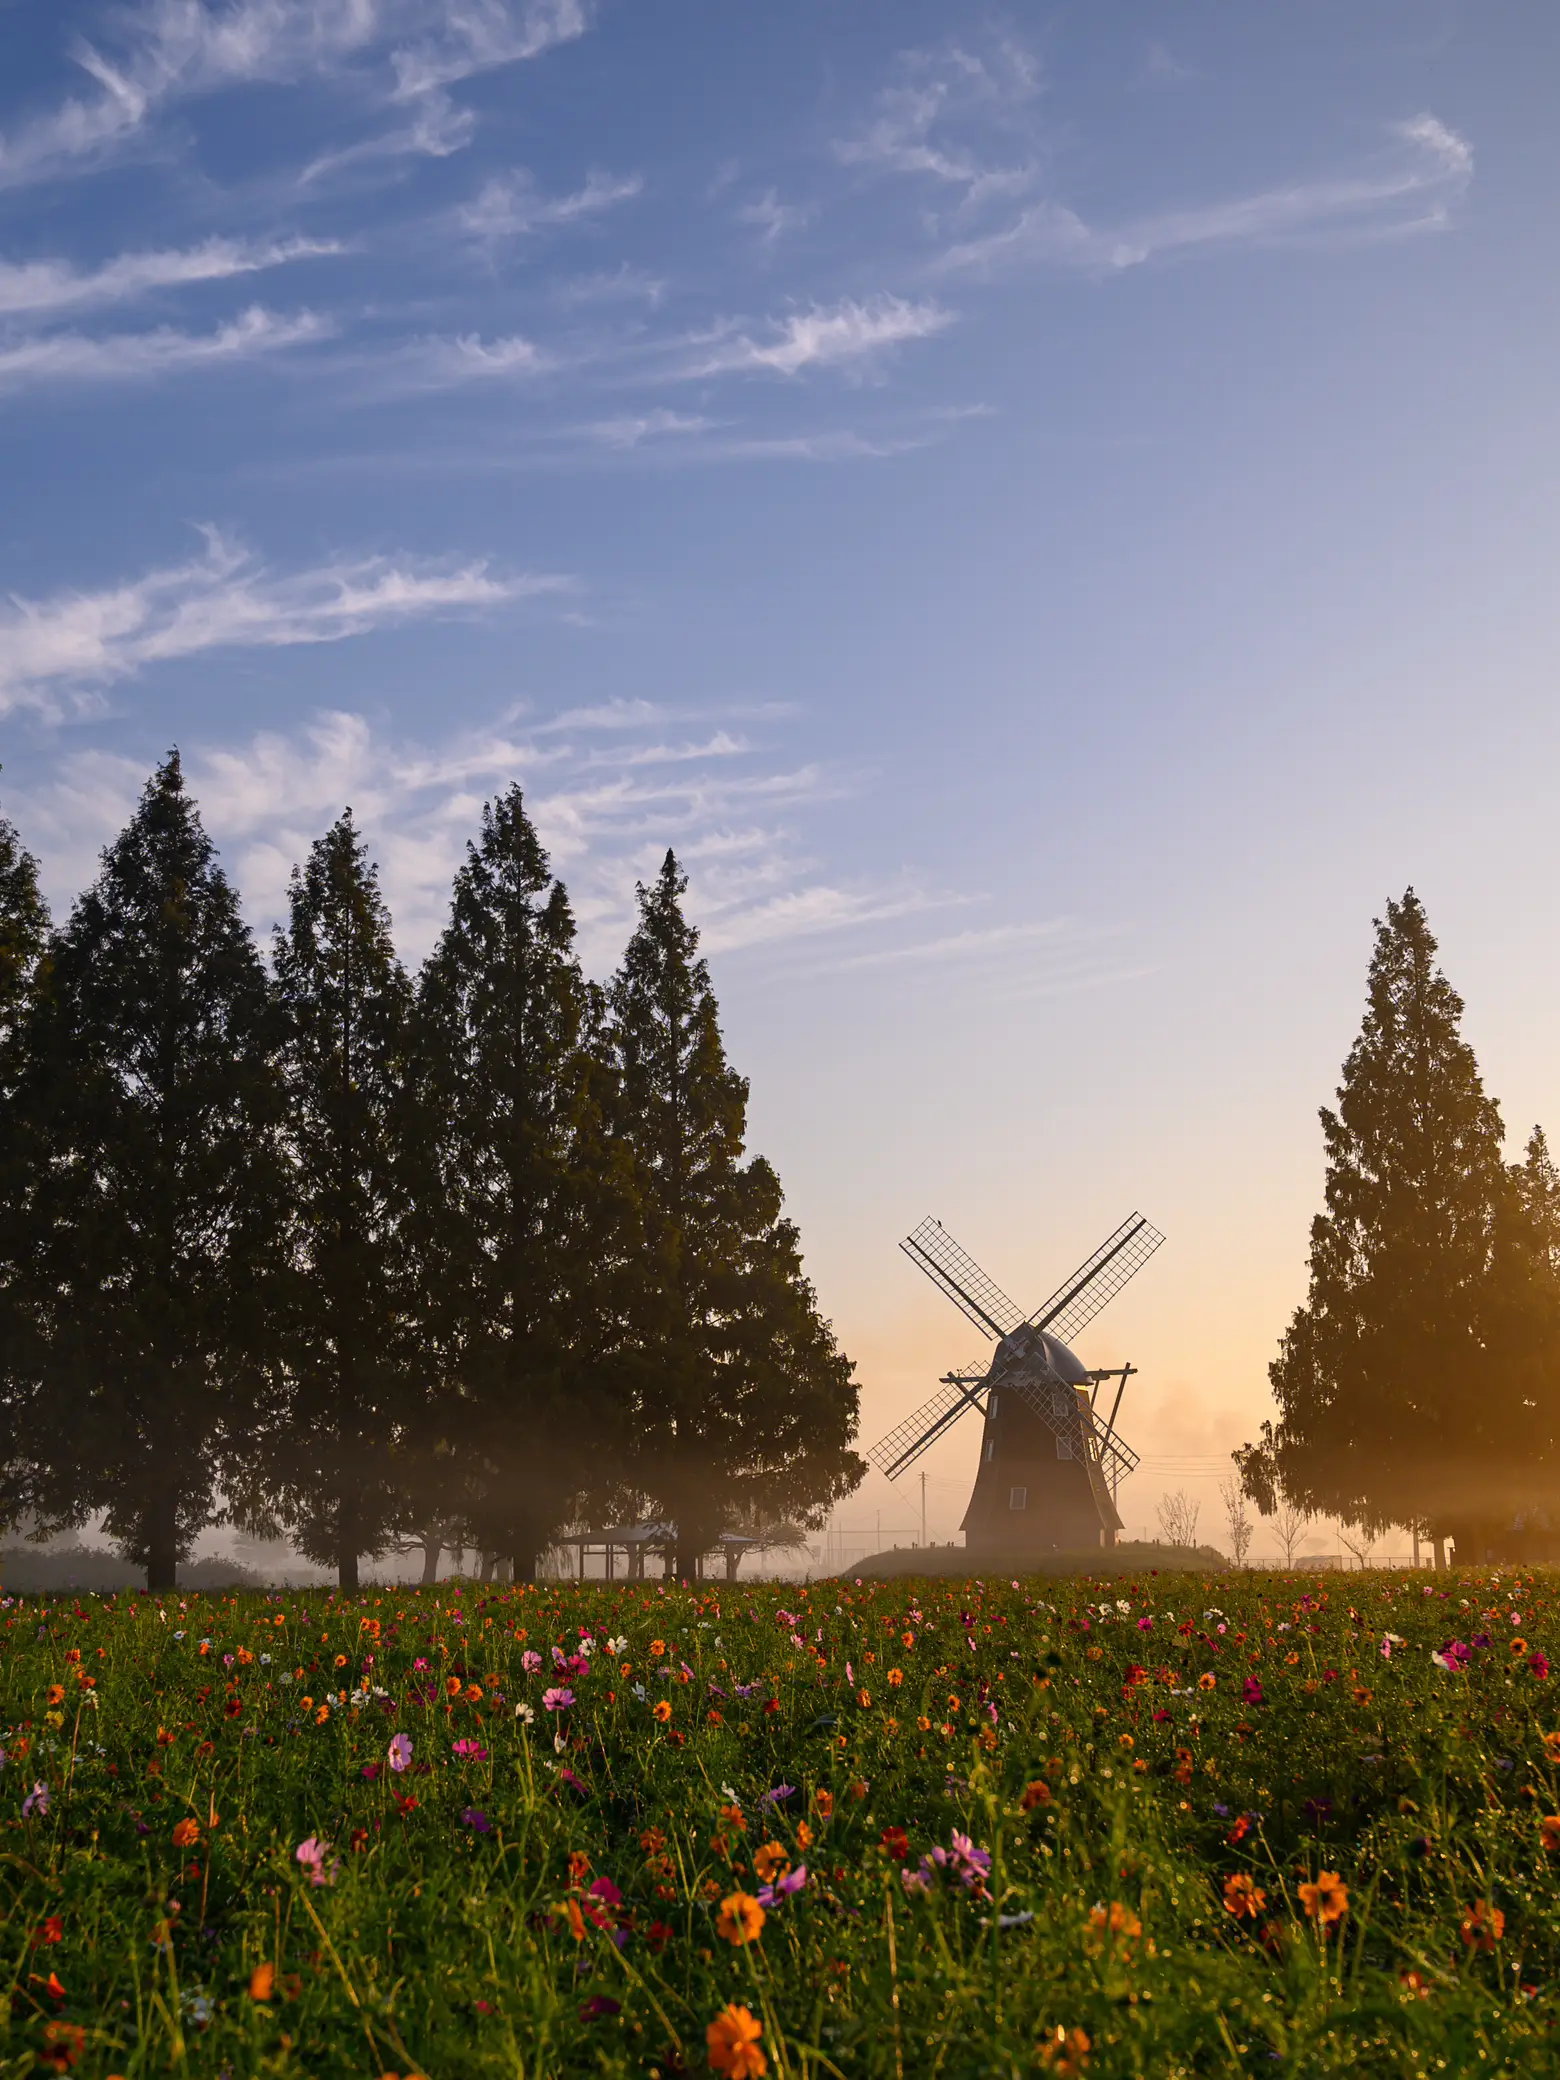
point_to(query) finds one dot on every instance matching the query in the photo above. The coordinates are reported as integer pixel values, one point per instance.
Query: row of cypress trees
(318, 1244)
(1419, 1381)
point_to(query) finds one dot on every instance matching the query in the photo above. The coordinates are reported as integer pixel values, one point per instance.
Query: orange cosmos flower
(771, 1862)
(804, 1835)
(1115, 1920)
(1243, 1897)
(824, 1802)
(1519, 1646)
(262, 1982)
(741, 1918)
(473, 1693)
(1483, 1925)
(1549, 1832)
(923, 1724)
(662, 1712)
(452, 1686)
(1207, 1680)
(657, 1649)
(895, 1677)
(732, 2044)
(1036, 1794)
(186, 1834)
(1066, 2052)
(63, 2044)
(1327, 1901)
(56, 1693)
(1552, 1747)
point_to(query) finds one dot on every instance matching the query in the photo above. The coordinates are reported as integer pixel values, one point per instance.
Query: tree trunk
(162, 1544)
(347, 1570)
(523, 1561)
(1440, 1555)
(489, 1562)
(433, 1546)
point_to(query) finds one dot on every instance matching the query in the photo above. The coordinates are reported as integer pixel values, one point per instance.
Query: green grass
(438, 1948)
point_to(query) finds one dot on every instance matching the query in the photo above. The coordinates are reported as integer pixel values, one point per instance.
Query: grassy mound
(955, 1563)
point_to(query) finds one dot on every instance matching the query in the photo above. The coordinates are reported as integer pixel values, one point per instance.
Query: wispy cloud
(610, 789)
(72, 357)
(512, 205)
(772, 218)
(632, 429)
(55, 653)
(822, 337)
(171, 50)
(444, 363)
(1412, 187)
(38, 288)
(920, 122)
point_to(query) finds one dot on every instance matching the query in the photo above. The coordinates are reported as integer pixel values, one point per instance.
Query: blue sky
(1050, 510)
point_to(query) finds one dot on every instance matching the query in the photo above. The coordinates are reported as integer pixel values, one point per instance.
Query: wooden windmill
(1050, 1464)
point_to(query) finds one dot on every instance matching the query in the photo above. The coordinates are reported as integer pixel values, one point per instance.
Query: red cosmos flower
(52, 1931)
(896, 1843)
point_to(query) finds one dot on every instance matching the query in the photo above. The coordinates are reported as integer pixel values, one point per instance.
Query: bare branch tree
(1357, 1540)
(1289, 1527)
(1178, 1516)
(1237, 1519)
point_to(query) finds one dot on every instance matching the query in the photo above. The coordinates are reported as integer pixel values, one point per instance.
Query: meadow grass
(1165, 1825)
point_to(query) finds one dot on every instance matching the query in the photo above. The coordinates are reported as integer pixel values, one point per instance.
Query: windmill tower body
(1049, 1464)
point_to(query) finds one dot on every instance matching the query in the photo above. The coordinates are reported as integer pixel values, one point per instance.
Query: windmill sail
(961, 1278)
(1098, 1279)
(893, 1453)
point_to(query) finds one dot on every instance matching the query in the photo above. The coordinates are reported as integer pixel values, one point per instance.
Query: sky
(1049, 510)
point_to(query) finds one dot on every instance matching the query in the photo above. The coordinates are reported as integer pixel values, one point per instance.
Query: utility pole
(923, 1505)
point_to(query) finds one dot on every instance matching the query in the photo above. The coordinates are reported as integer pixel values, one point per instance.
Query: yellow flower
(741, 1918)
(732, 2044)
(1327, 1901)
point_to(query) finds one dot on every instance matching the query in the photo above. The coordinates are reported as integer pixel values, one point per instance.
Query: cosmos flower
(1483, 1925)
(732, 2044)
(399, 1754)
(1243, 1897)
(36, 1801)
(558, 1700)
(741, 1918)
(1327, 1901)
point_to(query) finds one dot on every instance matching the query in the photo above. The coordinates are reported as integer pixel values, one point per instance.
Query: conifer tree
(153, 1067)
(346, 1004)
(24, 924)
(1398, 1382)
(526, 1213)
(745, 1397)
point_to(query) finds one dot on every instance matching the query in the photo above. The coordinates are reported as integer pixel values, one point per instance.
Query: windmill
(1050, 1464)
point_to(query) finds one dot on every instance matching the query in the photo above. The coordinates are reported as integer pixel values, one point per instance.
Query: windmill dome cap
(1056, 1354)
(1065, 1365)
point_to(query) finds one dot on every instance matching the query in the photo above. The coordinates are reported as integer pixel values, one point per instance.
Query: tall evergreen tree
(745, 1397)
(524, 1227)
(153, 1064)
(346, 1005)
(24, 925)
(1400, 1380)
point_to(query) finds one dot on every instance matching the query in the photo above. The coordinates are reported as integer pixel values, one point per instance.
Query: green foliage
(346, 1006)
(746, 1398)
(526, 1216)
(1417, 1382)
(152, 1086)
(1076, 1835)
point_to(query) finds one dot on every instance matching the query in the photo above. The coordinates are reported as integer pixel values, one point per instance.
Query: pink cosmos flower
(471, 1751)
(311, 1852)
(530, 1661)
(557, 1700)
(419, 1666)
(1251, 1691)
(1538, 1661)
(400, 1753)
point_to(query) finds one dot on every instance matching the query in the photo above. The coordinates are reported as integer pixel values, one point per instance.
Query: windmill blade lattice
(907, 1440)
(1098, 1279)
(961, 1278)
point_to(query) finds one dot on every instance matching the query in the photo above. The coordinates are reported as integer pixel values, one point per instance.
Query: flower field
(1234, 1825)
